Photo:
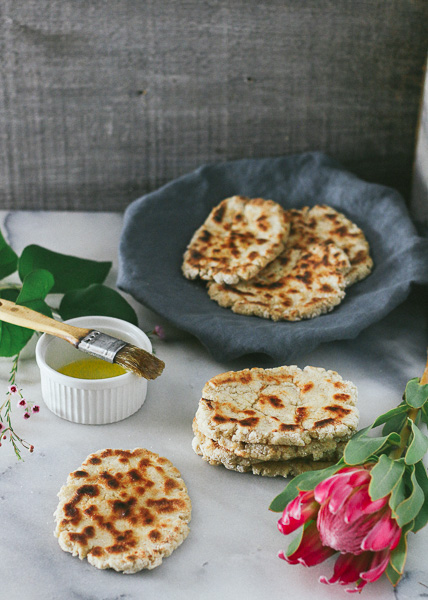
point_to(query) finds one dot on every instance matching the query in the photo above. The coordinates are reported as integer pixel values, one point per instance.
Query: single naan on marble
(301, 283)
(123, 509)
(239, 237)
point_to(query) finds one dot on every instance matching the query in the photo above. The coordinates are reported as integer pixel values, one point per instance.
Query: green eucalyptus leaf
(424, 413)
(313, 478)
(9, 294)
(409, 508)
(96, 299)
(399, 554)
(384, 476)
(297, 540)
(398, 493)
(392, 575)
(287, 495)
(416, 394)
(399, 410)
(418, 446)
(70, 272)
(35, 288)
(421, 475)
(8, 258)
(395, 423)
(361, 448)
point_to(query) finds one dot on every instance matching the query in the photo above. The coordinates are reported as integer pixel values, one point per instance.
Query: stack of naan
(271, 422)
(260, 259)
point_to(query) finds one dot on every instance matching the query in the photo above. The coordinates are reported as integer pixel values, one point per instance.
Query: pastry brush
(104, 346)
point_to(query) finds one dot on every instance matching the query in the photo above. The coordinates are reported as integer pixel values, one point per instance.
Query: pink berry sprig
(7, 431)
(157, 332)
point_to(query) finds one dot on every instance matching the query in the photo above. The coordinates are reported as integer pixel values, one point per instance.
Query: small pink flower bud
(26, 415)
(2, 426)
(22, 403)
(31, 448)
(36, 408)
(159, 331)
(13, 389)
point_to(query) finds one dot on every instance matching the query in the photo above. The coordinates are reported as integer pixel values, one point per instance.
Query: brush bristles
(139, 361)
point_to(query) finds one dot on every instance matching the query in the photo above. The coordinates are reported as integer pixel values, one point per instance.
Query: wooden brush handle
(25, 317)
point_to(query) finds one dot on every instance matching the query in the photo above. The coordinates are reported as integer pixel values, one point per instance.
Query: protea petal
(338, 496)
(382, 534)
(395, 539)
(310, 551)
(379, 563)
(359, 477)
(375, 505)
(323, 490)
(356, 505)
(358, 588)
(348, 568)
(303, 508)
(334, 532)
(350, 477)
(360, 504)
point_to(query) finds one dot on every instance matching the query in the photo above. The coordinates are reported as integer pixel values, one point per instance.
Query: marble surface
(231, 551)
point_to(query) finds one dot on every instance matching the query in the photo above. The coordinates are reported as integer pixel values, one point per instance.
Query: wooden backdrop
(103, 100)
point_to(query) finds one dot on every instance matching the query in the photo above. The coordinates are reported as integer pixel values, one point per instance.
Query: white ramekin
(90, 401)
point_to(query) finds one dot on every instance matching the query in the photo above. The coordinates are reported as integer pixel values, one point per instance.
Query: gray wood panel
(101, 101)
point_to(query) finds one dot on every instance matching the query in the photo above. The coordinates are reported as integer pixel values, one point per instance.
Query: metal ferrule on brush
(101, 345)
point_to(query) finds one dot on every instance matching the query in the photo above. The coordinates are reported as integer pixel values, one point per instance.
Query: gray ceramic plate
(158, 226)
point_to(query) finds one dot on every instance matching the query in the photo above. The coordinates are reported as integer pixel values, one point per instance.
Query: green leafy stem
(42, 272)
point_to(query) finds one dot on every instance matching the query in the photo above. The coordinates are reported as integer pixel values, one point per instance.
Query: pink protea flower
(339, 516)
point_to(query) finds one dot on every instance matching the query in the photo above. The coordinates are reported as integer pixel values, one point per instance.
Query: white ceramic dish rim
(92, 321)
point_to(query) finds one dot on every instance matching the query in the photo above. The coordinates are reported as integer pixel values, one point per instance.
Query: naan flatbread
(299, 284)
(313, 450)
(322, 223)
(122, 509)
(239, 237)
(210, 452)
(281, 406)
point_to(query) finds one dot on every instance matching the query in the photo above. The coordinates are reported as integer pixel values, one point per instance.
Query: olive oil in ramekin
(91, 368)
